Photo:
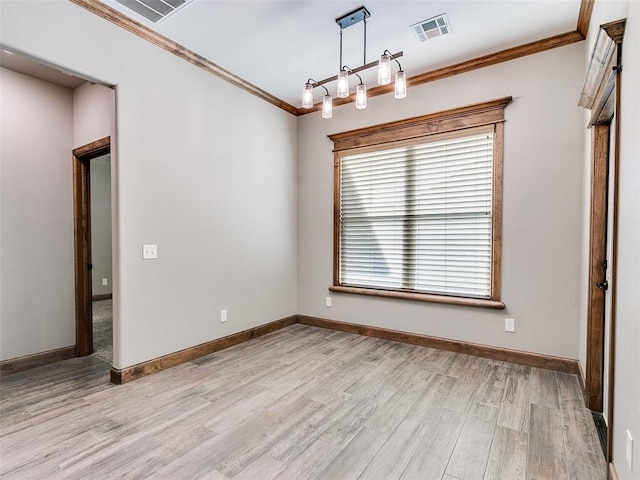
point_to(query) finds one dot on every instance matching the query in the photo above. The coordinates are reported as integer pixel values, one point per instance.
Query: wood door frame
(601, 95)
(597, 267)
(82, 240)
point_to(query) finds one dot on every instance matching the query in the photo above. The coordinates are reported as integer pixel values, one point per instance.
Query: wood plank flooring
(300, 403)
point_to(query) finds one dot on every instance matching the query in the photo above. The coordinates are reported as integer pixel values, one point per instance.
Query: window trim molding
(457, 119)
(421, 297)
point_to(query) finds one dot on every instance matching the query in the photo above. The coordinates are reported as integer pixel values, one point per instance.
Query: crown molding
(117, 18)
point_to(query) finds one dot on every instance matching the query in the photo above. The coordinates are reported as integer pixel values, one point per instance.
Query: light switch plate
(105, 282)
(509, 325)
(327, 301)
(149, 252)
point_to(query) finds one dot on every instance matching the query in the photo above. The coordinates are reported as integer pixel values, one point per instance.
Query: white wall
(213, 187)
(627, 361)
(541, 216)
(36, 252)
(100, 179)
(93, 113)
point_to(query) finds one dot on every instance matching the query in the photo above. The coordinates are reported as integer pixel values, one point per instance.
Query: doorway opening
(93, 330)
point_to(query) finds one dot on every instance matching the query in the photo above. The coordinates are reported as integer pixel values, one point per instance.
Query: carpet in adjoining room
(103, 330)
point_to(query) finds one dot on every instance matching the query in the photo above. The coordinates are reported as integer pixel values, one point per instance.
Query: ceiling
(278, 44)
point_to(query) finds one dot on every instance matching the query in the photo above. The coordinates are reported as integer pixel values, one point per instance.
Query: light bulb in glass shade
(343, 84)
(361, 96)
(307, 96)
(327, 107)
(401, 85)
(384, 69)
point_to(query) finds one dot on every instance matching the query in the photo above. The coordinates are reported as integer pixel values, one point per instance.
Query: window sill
(422, 297)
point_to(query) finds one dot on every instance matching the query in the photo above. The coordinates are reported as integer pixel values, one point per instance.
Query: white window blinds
(418, 217)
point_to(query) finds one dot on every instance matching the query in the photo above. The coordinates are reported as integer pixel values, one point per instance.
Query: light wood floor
(300, 403)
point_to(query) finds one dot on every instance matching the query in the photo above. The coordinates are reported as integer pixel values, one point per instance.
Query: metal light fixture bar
(356, 70)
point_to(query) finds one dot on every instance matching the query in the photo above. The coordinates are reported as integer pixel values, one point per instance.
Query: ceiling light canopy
(342, 86)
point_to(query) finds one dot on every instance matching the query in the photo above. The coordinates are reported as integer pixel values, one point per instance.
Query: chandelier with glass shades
(342, 90)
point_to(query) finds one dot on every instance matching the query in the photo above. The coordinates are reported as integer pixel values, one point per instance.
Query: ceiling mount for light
(384, 71)
(358, 15)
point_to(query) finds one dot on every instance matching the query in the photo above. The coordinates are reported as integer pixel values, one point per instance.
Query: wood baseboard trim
(582, 381)
(120, 376)
(613, 473)
(19, 364)
(530, 359)
(104, 296)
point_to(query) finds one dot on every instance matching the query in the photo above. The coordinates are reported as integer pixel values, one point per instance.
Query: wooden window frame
(388, 135)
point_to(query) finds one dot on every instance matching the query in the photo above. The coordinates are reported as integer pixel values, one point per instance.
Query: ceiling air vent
(432, 27)
(154, 10)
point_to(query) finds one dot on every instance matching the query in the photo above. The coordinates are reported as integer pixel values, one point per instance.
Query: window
(418, 207)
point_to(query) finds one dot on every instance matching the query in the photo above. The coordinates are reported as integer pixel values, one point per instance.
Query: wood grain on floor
(300, 403)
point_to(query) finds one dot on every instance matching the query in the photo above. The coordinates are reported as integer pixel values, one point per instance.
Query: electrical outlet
(327, 302)
(105, 282)
(629, 450)
(149, 252)
(223, 316)
(510, 325)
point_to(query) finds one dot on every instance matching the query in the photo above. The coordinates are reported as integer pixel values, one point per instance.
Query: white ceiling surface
(278, 44)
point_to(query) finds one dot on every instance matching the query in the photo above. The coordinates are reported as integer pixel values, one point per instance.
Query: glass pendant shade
(384, 69)
(327, 107)
(307, 96)
(401, 85)
(343, 84)
(361, 96)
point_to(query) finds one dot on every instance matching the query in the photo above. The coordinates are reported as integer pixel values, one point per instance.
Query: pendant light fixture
(307, 98)
(327, 106)
(384, 68)
(361, 94)
(342, 85)
(400, 90)
(384, 74)
(307, 95)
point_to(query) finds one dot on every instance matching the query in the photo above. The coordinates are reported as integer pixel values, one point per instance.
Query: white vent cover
(432, 27)
(154, 10)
